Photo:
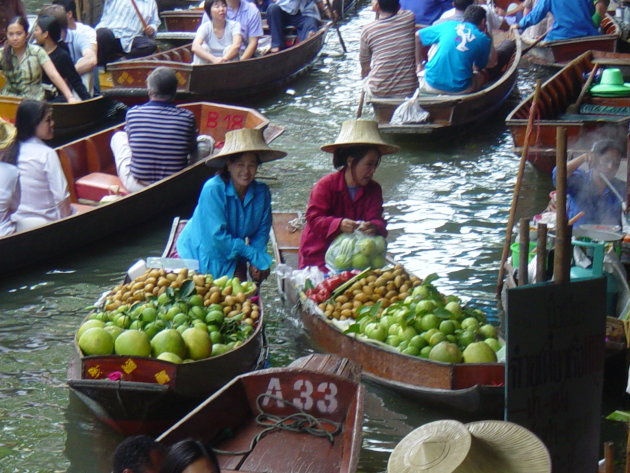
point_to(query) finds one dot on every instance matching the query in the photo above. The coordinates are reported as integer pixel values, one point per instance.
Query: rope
(300, 422)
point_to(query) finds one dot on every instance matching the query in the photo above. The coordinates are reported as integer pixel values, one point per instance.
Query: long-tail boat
(558, 53)
(227, 81)
(306, 417)
(90, 170)
(466, 387)
(596, 117)
(450, 111)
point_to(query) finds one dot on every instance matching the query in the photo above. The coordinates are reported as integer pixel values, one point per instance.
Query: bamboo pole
(517, 187)
(523, 260)
(562, 257)
(541, 252)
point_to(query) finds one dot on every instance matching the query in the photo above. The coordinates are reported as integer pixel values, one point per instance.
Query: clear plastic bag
(409, 111)
(356, 250)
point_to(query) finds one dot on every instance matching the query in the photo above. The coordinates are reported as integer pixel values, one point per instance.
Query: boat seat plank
(579, 117)
(330, 365)
(97, 185)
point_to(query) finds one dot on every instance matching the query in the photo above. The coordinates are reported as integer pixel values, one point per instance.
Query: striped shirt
(388, 48)
(161, 136)
(120, 16)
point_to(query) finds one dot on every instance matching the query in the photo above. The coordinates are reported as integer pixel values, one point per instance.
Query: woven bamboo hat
(611, 84)
(7, 133)
(491, 446)
(436, 447)
(360, 133)
(245, 140)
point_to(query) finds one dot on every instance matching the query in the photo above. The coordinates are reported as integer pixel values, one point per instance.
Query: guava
(168, 340)
(198, 343)
(96, 341)
(133, 343)
(479, 352)
(445, 352)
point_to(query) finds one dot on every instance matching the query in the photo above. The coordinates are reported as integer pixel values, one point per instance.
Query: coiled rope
(300, 422)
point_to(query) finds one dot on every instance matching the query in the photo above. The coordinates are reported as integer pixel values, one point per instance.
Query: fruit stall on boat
(158, 345)
(307, 417)
(469, 387)
(90, 170)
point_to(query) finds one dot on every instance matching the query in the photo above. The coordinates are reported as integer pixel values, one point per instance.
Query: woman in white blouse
(44, 190)
(218, 40)
(9, 189)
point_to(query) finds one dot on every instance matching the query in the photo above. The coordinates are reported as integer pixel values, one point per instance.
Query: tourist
(463, 52)
(44, 195)
(23, 65)
(348, 199)
(190, 456)
(219, 40)
(387, 52)
(125, 31)
(303, 14)
(138, 454)
(494, 21)
(47, 33)
(596, 191)
(426, 12)
(229, 229)
(9, 9)
(81, 41)
(571, 18)
(158, 138)
(247, 15)
(9, 188)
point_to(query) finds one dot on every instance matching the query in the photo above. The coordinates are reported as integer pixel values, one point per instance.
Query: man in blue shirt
(571, 18)
(426, 11)
(463, 47)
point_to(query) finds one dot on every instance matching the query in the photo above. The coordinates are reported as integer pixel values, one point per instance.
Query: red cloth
(329, 204)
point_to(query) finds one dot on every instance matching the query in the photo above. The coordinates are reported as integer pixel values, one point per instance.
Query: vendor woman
(348, 199)
(229, 229)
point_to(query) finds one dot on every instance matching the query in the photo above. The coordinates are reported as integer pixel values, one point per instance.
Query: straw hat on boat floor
(490, 446)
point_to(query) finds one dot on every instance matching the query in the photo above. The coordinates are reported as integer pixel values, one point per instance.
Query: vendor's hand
(149, 31)
(258, 275)
(368, 228)
(348, 226)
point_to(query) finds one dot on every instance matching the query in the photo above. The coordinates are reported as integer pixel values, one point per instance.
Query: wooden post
(523, 259)
(562, 257)
(609, 457)
(541, 252)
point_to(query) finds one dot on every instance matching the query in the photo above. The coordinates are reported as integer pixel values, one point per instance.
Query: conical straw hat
(7, 133)
(360, 133)
(245, 140)
(499, 446)
(436, 447)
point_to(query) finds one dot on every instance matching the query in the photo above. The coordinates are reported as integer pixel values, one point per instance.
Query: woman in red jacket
(348, 199)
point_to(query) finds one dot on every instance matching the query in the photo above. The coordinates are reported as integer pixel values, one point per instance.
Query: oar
(535, 43)
(336, 26)
(517, 188)
(575, 107)
(360, 107)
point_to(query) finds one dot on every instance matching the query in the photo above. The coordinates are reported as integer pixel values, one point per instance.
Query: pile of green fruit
(356, 251)
(430, 325)
(179, 325)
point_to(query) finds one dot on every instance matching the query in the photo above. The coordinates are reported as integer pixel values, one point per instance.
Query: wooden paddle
(575, 107)
(517, 188)
(360, 106)
(336, 26)
(535, 43)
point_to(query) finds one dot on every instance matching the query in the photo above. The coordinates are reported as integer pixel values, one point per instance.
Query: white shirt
(43, 186)
(493, 20)
(79, 39)
(120, 16)
(9, 197)
(217, 46)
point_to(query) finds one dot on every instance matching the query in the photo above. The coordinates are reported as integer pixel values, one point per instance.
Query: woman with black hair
(348, 199)
(47, 33)
(43, 186)
(229, 229)
(23, 65)
(190, 456)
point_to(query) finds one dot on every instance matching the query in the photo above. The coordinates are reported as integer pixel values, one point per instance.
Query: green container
(516, 253)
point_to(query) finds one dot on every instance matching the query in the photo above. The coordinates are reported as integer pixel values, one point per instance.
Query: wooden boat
(323, 386)
(472, 388)
(228, 81)
(559, 53)
(598, 117)
(449, 111)
(89, 168)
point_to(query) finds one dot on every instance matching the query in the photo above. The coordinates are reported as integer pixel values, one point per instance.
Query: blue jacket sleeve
(536, 15)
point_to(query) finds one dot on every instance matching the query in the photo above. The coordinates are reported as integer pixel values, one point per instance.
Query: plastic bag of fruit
(356, 250)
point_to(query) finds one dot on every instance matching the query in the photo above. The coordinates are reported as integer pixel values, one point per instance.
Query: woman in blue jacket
(229, 229)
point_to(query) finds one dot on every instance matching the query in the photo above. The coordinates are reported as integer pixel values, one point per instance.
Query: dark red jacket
(329, 204)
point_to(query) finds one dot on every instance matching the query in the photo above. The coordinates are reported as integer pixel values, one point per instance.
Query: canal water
(446, 203)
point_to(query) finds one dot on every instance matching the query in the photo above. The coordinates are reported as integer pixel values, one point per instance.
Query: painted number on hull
(305, 395)
(229, 122)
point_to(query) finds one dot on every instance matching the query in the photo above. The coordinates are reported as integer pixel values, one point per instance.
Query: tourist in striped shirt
(158, 136)
(387, 51)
